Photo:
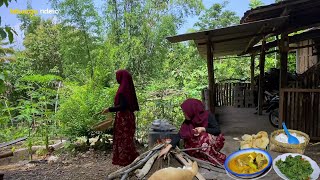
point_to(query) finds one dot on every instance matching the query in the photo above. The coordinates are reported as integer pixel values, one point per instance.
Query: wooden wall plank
(292, 110)
(230, 94)
(310, 119)
(315, 115)
(300, 111)
(301, 90)
(288, 110)
(217, 95)
(318, 118)
(218, 89)
(281, 107)
(295, 110)
(224, 94)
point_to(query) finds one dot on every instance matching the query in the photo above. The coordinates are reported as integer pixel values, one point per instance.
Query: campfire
(148, 162)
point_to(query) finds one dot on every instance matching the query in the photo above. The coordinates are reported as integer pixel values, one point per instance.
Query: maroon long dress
(194, 109)
(124, 149)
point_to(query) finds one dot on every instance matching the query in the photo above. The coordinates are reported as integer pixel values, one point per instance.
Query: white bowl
(314, 165)
(244, 151)
(255, 178)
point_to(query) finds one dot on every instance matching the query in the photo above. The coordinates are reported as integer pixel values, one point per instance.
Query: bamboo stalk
(190, 149)
(213, 159)
(207, 163)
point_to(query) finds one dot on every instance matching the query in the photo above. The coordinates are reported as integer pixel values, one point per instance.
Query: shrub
(79, 104)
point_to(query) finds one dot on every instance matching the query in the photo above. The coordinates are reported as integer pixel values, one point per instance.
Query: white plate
(314, 165)
(261, 176)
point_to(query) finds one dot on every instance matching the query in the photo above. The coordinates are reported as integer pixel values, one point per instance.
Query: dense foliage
(66, 73)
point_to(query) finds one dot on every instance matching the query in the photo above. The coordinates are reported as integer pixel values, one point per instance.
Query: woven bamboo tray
(104, 125)
(288, 148)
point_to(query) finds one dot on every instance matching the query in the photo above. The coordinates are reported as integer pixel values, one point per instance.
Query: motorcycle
(273, 111)
(268, 97)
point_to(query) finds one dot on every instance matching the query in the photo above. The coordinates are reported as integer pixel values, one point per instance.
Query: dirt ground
(89, 165)
(92, 165)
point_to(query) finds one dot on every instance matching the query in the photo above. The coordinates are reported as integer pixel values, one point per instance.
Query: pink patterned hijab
(195, 110)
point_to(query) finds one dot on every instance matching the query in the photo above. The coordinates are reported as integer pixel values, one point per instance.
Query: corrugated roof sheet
(232, 40)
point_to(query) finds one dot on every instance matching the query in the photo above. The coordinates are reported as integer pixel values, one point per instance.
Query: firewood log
(184, 162)
(205, 164)
(139, 164)
(6, 154)
(136, 163)
(140, 173)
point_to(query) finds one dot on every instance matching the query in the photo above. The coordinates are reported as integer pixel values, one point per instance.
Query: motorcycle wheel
(274, 118)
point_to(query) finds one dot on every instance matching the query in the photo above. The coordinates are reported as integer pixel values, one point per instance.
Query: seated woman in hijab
(200, 129)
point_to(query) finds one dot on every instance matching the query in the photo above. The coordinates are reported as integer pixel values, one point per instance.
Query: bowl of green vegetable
(292, 166)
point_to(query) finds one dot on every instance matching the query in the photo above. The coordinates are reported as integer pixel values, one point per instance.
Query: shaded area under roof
(231, 40)
(302, 14)
(310, 34)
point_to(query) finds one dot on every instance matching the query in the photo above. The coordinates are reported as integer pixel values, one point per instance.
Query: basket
(104, 125)
(288, 148)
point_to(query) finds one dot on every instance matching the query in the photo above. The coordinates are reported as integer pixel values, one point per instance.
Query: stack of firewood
(141, 166)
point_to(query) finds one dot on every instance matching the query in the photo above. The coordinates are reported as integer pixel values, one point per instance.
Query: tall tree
(217, 17)
(137, 30)
(82, 15)
(255, 3)
(4, 59)
(42, 48)
(6, 31)
(5, 51)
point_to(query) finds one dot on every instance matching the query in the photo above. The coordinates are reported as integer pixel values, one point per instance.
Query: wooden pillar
(261, 77)
(284, 48)
(281, 107)
(252, 71)
(210, 76)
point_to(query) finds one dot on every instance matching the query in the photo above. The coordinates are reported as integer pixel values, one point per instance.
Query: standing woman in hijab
(200, 129)
(125, 103)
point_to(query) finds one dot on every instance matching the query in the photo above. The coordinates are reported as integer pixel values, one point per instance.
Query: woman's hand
(200, 130)
(165, 150)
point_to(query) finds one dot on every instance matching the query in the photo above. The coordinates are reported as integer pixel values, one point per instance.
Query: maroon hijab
(127, 90)
(195, 110)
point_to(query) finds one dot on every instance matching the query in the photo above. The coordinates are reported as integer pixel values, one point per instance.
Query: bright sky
(7, 18)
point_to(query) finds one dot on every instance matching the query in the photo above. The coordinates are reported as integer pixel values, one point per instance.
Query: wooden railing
(309, 79)
(300, 109)
(224, 93)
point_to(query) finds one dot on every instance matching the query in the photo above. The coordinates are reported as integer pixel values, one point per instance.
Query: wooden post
(284, 48)
(252, 71)
(210, 76)
(281, 106)
(6, 154)
(261, 77)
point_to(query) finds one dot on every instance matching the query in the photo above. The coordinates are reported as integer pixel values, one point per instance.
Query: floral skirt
(212, 153)
(124, 149)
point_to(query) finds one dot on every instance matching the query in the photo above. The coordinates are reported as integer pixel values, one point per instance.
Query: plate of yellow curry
(248, 163)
